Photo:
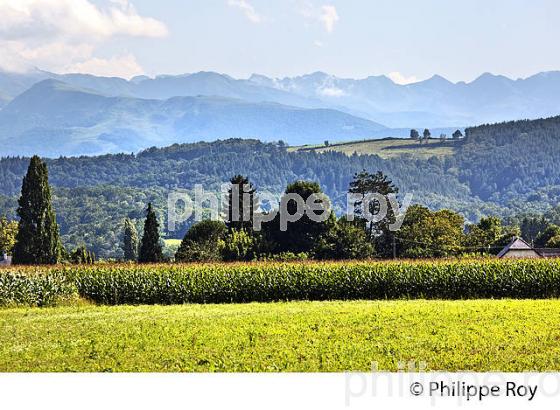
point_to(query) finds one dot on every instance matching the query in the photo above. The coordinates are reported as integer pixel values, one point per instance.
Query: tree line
(35, 239)
(512, 164)
(501, 169)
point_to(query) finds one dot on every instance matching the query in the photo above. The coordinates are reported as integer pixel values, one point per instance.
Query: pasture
(451, 315)
(388, 148)
(476, 335)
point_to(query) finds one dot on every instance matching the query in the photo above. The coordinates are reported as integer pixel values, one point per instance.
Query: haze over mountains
(55, 119)
(75, 114)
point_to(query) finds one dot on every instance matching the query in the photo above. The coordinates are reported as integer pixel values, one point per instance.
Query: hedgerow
(269, 281)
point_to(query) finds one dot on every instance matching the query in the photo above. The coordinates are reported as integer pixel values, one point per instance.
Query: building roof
(517, 244)
(549, 252)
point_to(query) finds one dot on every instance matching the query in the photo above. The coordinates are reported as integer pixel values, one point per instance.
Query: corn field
(268, 281)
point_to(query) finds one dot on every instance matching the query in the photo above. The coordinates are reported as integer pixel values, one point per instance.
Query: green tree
(344, 240)
(414, 134)
(238, 245)
(543, 239)
(37, 240)
(426, 135)
(378, 233)
(82, 256)
(427, 234)
(303, 234)
(8, 233)
(241, 204)
(457, 134)
(202, 242)
(151, 250)
(130, 241)
(485, 236)
(532, 227)
(553, 242)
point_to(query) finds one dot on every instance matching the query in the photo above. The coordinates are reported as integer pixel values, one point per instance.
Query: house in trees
(519, 248)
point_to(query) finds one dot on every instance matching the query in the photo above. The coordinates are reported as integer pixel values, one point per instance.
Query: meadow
(388, 148)
(477, 335)
(452, 315)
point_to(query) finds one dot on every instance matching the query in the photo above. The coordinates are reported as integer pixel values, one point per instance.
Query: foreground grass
(481, 335)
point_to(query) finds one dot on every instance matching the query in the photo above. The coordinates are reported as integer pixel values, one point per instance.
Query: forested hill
(512, 160)
(497, 169)
(269, 166)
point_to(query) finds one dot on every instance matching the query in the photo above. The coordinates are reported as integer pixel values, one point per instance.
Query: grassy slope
(388, 148)
(304, 336)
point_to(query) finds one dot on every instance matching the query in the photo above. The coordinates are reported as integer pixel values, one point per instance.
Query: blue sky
(411, 39)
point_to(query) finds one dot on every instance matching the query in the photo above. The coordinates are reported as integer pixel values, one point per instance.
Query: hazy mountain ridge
(53, 118)
(94, 115)
(435, 102)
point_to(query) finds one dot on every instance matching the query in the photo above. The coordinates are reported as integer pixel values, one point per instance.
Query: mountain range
(53, 118)
(75, 114)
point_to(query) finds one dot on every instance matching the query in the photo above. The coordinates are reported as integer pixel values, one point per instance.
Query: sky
(408, 40)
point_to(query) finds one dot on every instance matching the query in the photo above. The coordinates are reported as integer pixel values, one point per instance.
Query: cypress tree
(243, 201)
(37, 241)
(151, 251)
(130, 241)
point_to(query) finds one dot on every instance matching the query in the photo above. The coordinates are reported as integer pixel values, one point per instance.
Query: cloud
(398, 78)
(57, 34)
(331, 92)
(247, 9)
(326, 15)
(124, 66)
(329, 17)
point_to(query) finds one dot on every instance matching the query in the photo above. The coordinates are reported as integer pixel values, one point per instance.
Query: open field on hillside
(481, 335)
(388, 148)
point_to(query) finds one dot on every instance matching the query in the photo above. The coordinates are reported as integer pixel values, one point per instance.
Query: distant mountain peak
(485, 77)
(436, 79)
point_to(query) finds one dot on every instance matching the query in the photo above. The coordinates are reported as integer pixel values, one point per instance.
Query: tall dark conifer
(364, 184)
(241, 204)
(150, 250)
(37, 241)
(130, 241)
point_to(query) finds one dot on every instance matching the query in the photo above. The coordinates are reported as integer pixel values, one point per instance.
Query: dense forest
(502, 169)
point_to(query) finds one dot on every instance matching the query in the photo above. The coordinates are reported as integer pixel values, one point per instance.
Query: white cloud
(58, 34)
(247, 9)
(326, 15)
(332, 92)
(124, 66)
(329, 17)
(399, 78)
(319, 44)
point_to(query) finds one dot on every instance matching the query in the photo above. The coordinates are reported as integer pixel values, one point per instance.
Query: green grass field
(480, 335)
(388, 148)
